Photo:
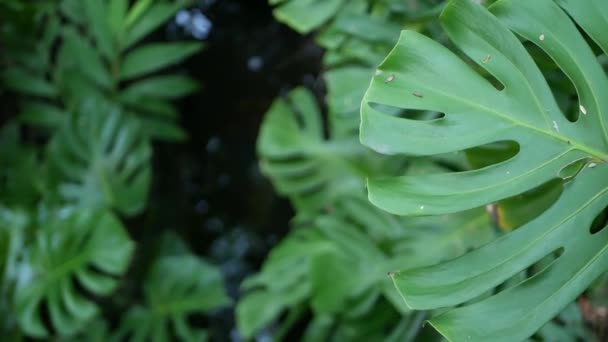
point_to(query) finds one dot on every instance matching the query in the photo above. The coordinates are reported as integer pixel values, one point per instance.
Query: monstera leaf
(352, 248)
(302, 163)
(175, 288)
(420, 74)
(13, 224)
(345, 89)
(100, 158)
(84, 250)
(297, 272)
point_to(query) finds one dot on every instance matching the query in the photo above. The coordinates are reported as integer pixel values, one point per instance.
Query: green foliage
(175, 287)
(530, 159)
(84, 248)
(92, 101)
(304, 165)
(338, 237)
(561, 242)
(101, 159)
(96, 56)
(484, 175)
(352, 248)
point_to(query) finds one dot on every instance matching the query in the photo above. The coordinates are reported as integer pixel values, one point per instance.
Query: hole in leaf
(404, 113)
(516, 211)
(544, 263)
(562, 87)
(421, 115)
(572, 170)
(491, 154)
(537, 267)
(600, 222)
(559, 321)
(299, 104)
(45, 316)
(475, 65)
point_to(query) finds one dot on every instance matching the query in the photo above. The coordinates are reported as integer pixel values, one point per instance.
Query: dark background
(209, 188)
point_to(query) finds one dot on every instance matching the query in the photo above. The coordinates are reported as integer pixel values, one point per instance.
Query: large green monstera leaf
(101, 159)
(420, 74)
(83, 251)
(176, 287)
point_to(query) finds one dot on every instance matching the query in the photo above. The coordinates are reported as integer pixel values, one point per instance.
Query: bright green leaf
(420, 74)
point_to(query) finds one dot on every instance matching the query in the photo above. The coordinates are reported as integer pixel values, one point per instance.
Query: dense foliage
(470, 170)
(77, 161)
(455, 132)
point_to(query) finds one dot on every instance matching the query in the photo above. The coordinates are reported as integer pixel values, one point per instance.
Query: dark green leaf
(21, 81)
(140, 25)
(101, 159)
(166, 87)
(153, 57)
(175, 287)
(85, 248)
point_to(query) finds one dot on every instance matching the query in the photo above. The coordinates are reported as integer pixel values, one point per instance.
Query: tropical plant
(563, 244)
(91, 100)
(338, 237)
(98, 55)
(176, 287)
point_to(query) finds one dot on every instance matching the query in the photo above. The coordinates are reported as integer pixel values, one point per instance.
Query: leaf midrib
(67, 267)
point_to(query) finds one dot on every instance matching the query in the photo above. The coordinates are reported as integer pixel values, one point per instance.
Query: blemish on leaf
(421, 207)
(592, 165)
(417, 94)
(391, 274)
(486, 59)
(583, 109)
(555, 126)
(390, 78)
(542, 37)
(378, 72)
